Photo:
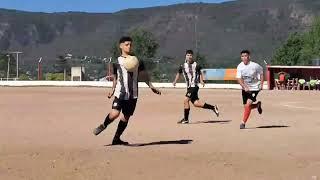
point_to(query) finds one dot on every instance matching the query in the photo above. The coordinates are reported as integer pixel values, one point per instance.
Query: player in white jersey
(125, 90)
(250, 77)
(193, 76)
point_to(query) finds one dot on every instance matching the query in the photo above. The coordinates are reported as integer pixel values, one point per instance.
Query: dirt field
(46, 133)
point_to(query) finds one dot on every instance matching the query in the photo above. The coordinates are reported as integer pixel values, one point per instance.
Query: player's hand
(110, 94)
(246, 89)
(202, 83)
(174, 84)
(156, 91)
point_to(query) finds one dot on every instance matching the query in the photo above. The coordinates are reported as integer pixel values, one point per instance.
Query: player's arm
(241, 81)
(201, 76)
(144, 76)
(114, 81)
(177, 76)
(176, 79)
(261, 77)
(148, 82)
(243, 84)
(201, 79)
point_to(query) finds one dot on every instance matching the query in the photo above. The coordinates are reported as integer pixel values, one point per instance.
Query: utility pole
(195, 32)
(8, 70)
(17, 62)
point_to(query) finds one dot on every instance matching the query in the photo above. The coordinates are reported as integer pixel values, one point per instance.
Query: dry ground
(46, 133)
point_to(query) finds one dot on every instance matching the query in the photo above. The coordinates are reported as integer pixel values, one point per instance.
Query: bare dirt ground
(46, 133)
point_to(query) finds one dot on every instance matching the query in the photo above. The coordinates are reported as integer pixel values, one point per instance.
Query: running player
(250, 77)
(193, 76)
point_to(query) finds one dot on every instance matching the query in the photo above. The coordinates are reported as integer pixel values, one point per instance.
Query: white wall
(107, 84)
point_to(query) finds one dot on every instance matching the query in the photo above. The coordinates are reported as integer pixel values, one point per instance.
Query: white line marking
(290, 105)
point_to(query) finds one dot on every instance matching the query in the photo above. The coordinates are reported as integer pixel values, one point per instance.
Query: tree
(144, 46)
(115, 50)
(4, 64)
(63, 63)
(311, 47)
(201, 60)
(300, 48)
(290, 52)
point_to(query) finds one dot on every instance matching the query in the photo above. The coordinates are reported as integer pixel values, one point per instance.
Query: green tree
(311, 47)
(64, 65)
(144, 46)
(201, 60)
(4, 65)
(300, 48)
(290, 52)
(115, 50)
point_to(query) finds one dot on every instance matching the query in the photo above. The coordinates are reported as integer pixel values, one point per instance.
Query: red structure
(300, 72)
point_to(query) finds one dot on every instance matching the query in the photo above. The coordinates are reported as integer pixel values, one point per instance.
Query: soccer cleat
(216, 110)
(259, 108)
(242, 126)
(119, 142)
(183, 121)
(99, 129)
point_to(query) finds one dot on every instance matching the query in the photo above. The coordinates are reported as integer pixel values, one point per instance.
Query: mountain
(219, 31)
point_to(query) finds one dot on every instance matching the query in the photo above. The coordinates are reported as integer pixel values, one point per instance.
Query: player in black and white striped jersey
(193, 76)
(125, 90)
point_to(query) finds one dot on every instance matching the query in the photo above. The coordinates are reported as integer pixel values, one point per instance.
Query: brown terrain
(46, 133)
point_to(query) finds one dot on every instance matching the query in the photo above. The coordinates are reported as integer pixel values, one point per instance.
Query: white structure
(77, 73)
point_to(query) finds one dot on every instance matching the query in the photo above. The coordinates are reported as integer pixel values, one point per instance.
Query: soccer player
(250, 77)
(125, 90)
(193, 76)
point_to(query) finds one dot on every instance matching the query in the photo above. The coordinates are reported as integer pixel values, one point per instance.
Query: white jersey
(250, 74)
(127, 82)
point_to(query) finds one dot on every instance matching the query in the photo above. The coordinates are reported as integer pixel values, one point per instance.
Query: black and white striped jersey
(127, 82)
(191, 73)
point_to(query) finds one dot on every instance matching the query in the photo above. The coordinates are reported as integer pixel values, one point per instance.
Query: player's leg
(248, 100)
(127, 110)
(197, 103)
(123, 123)
(257, 105)
(245, 112)
(186, 111)
(114, 114)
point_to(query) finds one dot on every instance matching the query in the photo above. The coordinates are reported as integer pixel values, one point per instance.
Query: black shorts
(192, 93)
(249, 95)
(126, 106)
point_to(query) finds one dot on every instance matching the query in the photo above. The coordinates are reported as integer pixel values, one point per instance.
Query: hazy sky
(88, 5)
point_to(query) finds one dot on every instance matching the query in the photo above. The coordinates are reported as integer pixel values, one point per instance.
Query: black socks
(121, 127)
(208, 106)
(186, 114)
(107, 121)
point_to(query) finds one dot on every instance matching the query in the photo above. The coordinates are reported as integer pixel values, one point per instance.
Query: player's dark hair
(189, 51)
(245, 52)
(124, 39)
